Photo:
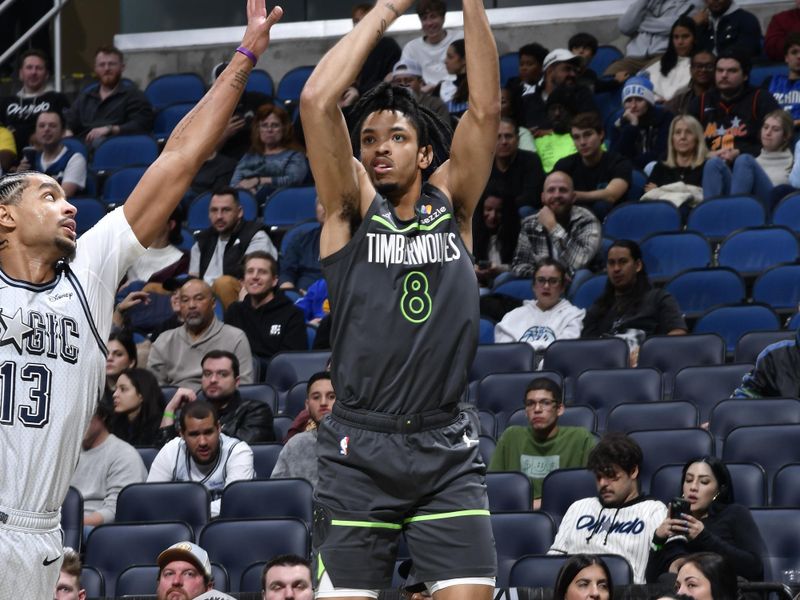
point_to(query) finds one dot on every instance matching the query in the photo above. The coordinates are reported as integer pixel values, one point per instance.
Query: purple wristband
(248, 54)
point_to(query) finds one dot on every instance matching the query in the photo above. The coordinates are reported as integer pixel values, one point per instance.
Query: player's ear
(7, 220)
(425, 157)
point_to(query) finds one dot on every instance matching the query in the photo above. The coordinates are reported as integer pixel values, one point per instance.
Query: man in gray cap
(184, 572)
(408, 73)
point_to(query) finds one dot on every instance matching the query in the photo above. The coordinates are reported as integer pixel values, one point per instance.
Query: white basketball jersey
(52, 364)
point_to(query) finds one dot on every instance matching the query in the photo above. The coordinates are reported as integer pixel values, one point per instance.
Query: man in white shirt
(203, 453)
(430, 49)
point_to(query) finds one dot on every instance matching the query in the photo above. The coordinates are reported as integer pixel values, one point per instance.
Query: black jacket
(274, 327)
(776, 373)
(247, 420)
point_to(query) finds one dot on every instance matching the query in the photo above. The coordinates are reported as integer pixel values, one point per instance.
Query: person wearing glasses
(701, 81)
(542, 446)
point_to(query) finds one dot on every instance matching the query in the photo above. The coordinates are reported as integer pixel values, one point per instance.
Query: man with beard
(516, 173)
(176, 355)
(19, 112)
(112, 107)
(618, 520)
(204, 454)
(184, 572)
(217, 254)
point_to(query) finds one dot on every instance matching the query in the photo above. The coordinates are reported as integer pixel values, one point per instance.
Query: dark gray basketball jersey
(405, 317)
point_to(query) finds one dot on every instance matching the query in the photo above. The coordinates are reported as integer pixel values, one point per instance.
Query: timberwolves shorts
(375, 486)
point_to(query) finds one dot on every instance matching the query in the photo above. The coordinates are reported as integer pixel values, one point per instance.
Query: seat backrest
(147, 454)
(261, 392)
(705, 386)
(168, 117)
(603, 389)
(589, 291)
(487, 446)
(508, 491)
(509, 67)
(90, 211)
(716, 218)
(698, 290)
(521, 289)
(174, 88)
(261, 499)
(292, 83)
(749, 483)
(786, 486)
(562, 487)
(186, 501)
(667, 254)
(504, 393)
(294, 401)
(251, 577)
(732, 322)
(281, 426)
(287, 368)
(486, 331)
(575, 415)
(541, 570)
(260, 81)
(93, 582)
(753, 250)
(572, 357)
(488, 423)
(124, 151)
(752, 343)
(780, 530)
(671, 353)
(787, 213)
(120, 184)
(138, 580)
(264, 458)
(635, 221)
(651, 415)
(289, 206)
(517, 534)
(236, 544)
(72, 519)
(666, 446)
(779, 287)
(604, 56)
(502, 358)
(771, 446)
(738, 412)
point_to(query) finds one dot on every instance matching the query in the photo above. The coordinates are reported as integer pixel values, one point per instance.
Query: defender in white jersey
(56, 302)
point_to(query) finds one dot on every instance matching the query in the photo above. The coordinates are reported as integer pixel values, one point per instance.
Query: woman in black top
(714, 522)
(138, 403)
(495, 230)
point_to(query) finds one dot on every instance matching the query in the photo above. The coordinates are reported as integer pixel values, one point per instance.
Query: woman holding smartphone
(712, 523)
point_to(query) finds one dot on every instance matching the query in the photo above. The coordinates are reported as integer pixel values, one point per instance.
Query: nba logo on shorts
(343, 445)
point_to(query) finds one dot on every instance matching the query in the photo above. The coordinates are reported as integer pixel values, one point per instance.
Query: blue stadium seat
(779, 287)
(749, 483)
(794, 322)
(665, 446)
(487, 446)
(72, 519)
(76, 145)
(780, 530)
(732, 322)
(186, 501)
(752, 343)
(187, 239)
(651, 415)
(504, 393)
(589, 291)
(727, 415)
(786, 486)
(704, 386)
(787, 212)
(120, 184)
(488, 423)
(759, 73)
(486, 332)
(236, 544)
(572, 357)
(251, 580)
(516, 288)
(718, 217)
(281, 425)
(298, 229)
(562, 487)
(292, 83)
(287, 368)
(197, 216)
(667, 254)
(175, 88)
(124, 151)
(264, 458)
(289, 206)
(604, 56)
(575, 415)
(608, 102)
(262, 392)
(509, 67)
(671, 353)
(508, 491)
(638, 181)
(518, 534)
(635, 221)
(502, 358)
(541, 570)
(294, 401)
(168, 117)
(770, 446)
(147, 454)
(260, 81)
(261, 499)
(93, 582)
(698, 290)
(604, 388)
(90, 211)
(753, 250)
(112, 548)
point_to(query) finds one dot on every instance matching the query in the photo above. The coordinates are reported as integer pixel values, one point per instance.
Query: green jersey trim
(449, 515)
(412, 226)
(372, 524)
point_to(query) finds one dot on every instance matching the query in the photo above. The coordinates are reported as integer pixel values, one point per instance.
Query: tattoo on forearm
(382, 29)
(239, 80)
(392, 8)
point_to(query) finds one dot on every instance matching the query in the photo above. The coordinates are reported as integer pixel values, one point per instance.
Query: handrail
(53, 14)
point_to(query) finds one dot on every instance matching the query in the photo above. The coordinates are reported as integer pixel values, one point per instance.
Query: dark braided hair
(431, 130)
(12, 186)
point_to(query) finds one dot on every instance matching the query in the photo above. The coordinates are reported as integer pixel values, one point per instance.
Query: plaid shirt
(575, 246)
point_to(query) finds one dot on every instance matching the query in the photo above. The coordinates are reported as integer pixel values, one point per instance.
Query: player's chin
(67, 247)
(386, 187)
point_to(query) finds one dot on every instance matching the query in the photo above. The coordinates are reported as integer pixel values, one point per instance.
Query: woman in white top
(546, 319)
(671, 74)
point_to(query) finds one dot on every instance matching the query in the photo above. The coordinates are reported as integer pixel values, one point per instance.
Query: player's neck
(19, 263)
(405, 202)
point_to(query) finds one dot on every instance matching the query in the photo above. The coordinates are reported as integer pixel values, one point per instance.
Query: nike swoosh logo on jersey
(47, 563)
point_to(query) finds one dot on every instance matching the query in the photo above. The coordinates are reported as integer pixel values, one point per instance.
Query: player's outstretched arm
(330, 153)
(464, 176)
(194, 138)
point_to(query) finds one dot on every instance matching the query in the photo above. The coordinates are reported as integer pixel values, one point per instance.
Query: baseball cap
(190, 553)
(407, 67)
(560, 55)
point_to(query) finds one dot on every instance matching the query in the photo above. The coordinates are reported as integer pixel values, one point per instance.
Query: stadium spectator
(701, 69)
(722, 26)
(215, 173)
(8, 149)
(105, 466)
(315, 304)
(269, 319)
(531, 62)
(287, 576)
(583, 576)
(176, 354)
(546, 318)
(556, 144)
(162, 260)
(732, 113)
(516, 173)
(495, 228)
(300, 266)
(68, 586)
(542, 446)
(184, 571)
(455, 93)
(380, 60)
(584, 45)
(775, 374)
(274, 160)
(203, 453)
(642, 131)
(630, 307)
(246, 420)
(672, 72)
(707, 576)
(559, 229)
(507, 110)
(600, 179)
(430, 49)
(216, 256)
(18, 112)
(619, 520)
(786, 88)
(121, 355)
(137, 408)
(713, 522)
(113, 106)
(408, 73)
(298, 457)
(780, 26)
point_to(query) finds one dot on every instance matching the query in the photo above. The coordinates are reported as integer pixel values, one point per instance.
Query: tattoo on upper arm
(392, 8)
(382, 29)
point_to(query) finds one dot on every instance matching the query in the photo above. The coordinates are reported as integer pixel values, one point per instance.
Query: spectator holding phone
(712, 522)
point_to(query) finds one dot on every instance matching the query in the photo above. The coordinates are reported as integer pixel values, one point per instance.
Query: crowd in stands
(677, 119)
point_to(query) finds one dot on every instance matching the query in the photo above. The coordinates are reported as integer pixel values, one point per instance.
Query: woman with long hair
(707, 576)
(672, 73)
(121, 355)
(584, 577)
(274, 159)
(455, 93)
(495, 229)
(138, 403)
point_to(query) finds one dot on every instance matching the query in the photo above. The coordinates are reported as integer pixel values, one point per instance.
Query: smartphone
(29, 152)
(677, 507)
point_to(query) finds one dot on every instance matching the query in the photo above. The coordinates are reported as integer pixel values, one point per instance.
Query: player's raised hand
(259, 23)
